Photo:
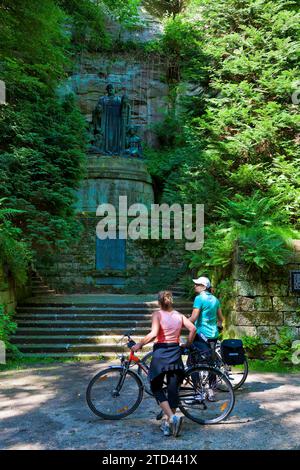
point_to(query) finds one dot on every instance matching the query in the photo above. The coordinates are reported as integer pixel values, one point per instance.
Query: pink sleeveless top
(170, 327)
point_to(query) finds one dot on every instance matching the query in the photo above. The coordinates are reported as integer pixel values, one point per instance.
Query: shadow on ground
(44, 408)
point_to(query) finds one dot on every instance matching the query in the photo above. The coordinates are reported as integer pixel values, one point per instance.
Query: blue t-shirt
(206, 323)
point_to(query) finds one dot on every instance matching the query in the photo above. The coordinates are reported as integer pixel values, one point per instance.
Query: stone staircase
(86, 330)
(39, 286)
(178, 289)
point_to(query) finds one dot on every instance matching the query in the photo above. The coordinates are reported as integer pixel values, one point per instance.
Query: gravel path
(43, 407)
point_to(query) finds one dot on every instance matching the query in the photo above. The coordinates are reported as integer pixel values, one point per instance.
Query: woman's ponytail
(165, 299)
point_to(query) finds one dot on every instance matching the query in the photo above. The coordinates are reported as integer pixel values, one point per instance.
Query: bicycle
(236, 374)
(117, 391)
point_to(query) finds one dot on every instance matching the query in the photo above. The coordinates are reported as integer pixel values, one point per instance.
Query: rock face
(147, 28)
(141, 79)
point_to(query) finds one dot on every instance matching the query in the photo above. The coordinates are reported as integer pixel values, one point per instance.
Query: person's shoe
(176, 425)
(165, 427)
(159, 415)
(211, 395)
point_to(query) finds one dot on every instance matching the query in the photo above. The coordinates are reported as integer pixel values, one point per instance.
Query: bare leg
(166, 409)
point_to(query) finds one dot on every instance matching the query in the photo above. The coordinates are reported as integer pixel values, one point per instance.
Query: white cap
(204, 281)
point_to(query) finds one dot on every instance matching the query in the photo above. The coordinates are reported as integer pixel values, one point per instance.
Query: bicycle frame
(126, 363)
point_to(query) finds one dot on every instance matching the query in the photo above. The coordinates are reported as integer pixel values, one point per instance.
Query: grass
(24, 363)
(255, 365)
(258, 365)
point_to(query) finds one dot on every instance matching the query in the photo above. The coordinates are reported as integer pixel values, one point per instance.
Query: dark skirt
(166, 357)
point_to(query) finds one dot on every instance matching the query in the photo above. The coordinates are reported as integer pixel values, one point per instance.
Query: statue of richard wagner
(110, 120)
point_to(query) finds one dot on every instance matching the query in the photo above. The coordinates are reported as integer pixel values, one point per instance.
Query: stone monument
(112, 133)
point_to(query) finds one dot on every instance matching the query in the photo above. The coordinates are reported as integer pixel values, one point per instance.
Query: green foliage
(32, 45)
(282, 350)
(124, 11)
(257, 365)
(43, 137)
(253, 224)
(169, 132)
(253, 345)
(7, 328)
(86, 23)
(41, 164)
(161, 8)
(180, 45)
(14, 252)
(86, 20)
(154, 248)
(240, 154)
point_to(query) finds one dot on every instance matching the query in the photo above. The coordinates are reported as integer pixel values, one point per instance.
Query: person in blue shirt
(207, 317)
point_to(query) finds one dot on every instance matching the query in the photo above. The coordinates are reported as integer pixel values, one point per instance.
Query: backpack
(232, 352)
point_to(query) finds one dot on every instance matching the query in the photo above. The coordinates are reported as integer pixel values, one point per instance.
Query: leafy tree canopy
(237, 62)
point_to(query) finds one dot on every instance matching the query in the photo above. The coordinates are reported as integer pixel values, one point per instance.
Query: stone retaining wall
(9, 294)
(264, 303)
(73, 270)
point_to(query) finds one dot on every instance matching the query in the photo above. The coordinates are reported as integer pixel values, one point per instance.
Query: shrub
(14, 251)
(253, 345)
(7, 328)
(282, 351)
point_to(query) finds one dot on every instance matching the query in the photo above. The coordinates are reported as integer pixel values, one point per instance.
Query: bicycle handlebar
(131, 343)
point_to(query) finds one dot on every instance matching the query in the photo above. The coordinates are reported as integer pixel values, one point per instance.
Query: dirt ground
(43, 407)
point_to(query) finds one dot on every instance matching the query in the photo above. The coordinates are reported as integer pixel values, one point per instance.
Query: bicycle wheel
(195, 395)
(114, 393)
(237, 374)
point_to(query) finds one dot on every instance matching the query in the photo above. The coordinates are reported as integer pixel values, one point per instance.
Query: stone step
(80, 331)
(82, 316)
(77, 348)
(70, 309)
(60, 339)
(71, 355)
(38, 282)
(83, 330)
(58, 305)
(83, 323)
(42, 290)
(78, 339)
(41, 287)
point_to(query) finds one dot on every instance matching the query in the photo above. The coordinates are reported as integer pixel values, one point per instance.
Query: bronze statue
(133, 143)
(106, 122)
(110, 124)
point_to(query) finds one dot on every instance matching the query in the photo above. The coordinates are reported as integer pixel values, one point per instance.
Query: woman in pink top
(166, 360)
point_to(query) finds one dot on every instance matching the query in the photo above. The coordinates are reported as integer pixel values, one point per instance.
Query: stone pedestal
(112, 176)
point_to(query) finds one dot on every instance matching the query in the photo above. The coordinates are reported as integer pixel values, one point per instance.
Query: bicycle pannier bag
(232, 352)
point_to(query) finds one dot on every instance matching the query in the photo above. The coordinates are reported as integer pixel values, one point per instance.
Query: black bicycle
(237, 374)
(117, 391)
